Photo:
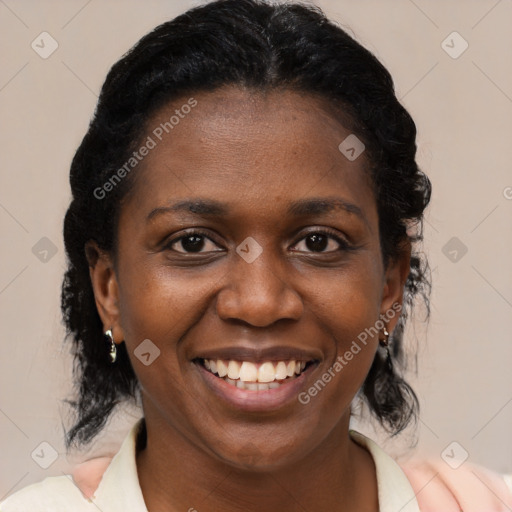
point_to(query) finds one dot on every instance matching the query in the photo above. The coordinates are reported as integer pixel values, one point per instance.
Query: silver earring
(384, 342)
(113, 349)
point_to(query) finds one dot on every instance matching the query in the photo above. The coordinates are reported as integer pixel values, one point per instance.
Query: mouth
(255, 376)
(261, 387)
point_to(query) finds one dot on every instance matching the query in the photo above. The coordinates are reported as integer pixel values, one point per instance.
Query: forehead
(247, 148)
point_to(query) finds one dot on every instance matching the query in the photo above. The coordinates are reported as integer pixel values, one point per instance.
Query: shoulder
(470, 487)
(85, 484)
(435, 486)
(53, 494)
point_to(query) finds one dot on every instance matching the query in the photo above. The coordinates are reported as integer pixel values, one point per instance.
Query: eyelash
(344, 245)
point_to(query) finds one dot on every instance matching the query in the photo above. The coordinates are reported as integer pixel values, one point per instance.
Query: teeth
(222, 369)
(252, 386)
(234, 370)
(248, 372)
(281, 371)
(248, 375)
(266, 373)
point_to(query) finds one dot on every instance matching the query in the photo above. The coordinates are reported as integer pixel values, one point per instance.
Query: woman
(241, 238)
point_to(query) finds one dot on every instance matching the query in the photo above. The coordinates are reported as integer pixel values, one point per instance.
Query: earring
(384, 342)
(113, 349)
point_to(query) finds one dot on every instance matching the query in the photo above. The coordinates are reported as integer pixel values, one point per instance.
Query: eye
(322, 241)
(192, 242)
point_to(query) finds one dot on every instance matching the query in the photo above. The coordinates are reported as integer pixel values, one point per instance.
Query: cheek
(348, 306)
(349, 301)
(162, 304)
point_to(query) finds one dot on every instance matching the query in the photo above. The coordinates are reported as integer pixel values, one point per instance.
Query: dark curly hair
(262, 46)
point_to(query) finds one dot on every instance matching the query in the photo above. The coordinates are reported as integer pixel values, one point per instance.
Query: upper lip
(260, 354)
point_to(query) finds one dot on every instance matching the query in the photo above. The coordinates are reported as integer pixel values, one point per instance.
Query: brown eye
(320, 241)
(193, 242)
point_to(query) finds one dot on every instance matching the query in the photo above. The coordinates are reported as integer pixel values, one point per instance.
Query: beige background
(462, 108)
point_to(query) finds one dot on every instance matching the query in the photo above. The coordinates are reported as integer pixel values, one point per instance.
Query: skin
(256, 153)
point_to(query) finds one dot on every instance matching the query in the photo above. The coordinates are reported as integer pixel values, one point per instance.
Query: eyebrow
(207, 207)
(302, 207)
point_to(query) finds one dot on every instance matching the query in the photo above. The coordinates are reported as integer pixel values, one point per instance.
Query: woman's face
(249, 237)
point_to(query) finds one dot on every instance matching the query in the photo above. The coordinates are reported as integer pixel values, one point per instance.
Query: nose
(258, 293)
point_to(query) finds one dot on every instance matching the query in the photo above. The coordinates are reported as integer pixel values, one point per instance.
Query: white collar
(119, 489)
(395, 491)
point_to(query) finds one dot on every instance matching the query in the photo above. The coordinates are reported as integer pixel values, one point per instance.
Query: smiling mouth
(255, 376)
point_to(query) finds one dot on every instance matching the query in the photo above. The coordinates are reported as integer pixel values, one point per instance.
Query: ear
(394, 283)
(105, 287)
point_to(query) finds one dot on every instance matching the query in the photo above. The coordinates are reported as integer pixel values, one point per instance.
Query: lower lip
(257, 400)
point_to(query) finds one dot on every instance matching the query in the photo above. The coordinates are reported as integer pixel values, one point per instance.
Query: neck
(176, 475)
